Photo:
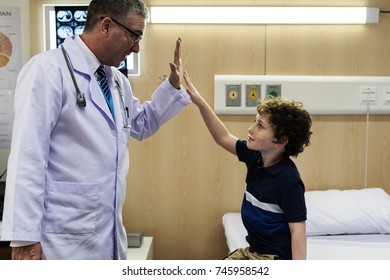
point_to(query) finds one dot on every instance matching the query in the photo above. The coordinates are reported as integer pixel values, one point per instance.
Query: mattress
(324, 247)
(349, 247)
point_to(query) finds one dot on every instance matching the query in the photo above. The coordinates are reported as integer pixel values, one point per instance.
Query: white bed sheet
(349, 247)
(326, 247)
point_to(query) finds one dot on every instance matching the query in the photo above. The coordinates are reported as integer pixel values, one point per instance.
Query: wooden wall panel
(181, 182)
(379, 152)
(336, 156)
(202, 180)
(329, 50)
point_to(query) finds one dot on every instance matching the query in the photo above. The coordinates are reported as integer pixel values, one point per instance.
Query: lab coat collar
(80, 64)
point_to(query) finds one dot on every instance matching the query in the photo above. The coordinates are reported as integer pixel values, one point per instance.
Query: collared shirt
(92, 60)
(93, 64)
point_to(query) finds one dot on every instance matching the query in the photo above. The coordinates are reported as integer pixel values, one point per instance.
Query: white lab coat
(67, 167)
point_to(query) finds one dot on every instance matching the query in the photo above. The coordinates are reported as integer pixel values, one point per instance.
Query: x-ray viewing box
(337, 95)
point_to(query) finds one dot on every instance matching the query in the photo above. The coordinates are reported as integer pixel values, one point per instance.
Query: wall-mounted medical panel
(334, 95)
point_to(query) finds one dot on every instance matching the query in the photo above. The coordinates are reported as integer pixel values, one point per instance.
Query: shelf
(145, 252)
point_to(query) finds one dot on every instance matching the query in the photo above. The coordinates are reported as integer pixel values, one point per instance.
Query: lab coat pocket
(126, 134)
(71, 207)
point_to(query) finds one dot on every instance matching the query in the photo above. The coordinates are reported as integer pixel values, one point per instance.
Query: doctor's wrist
(175, 86)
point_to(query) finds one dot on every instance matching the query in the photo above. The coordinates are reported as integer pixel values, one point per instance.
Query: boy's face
(261, 134)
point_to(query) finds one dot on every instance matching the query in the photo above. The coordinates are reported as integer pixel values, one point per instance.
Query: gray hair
(118, 9)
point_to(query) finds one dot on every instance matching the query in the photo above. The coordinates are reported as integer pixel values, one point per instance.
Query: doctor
(69, 155)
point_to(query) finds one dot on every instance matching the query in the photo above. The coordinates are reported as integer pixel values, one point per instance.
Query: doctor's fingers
(176, 66)
(19, 253)
(177, 53)
(35, 252)
(30, 252)
(16, 253)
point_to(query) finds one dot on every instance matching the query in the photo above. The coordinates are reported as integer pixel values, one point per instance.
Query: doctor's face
(126, 38)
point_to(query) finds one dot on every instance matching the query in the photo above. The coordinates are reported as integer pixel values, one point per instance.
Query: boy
(273, 209)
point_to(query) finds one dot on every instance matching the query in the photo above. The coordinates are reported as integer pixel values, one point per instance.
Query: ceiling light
(264, 15)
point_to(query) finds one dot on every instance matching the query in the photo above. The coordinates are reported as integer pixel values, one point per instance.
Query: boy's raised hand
(196, 98)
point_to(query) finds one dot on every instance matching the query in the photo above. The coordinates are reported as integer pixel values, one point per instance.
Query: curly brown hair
(290, 121)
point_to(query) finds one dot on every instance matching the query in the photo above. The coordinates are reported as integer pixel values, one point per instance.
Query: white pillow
(363, 211)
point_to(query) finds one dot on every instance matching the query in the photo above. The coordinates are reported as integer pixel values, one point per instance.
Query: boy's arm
(298, 240)
(217, 129)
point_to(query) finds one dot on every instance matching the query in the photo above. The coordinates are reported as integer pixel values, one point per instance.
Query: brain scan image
(79, 30)
(64, 16)
(64, 31)
(80, 16)
(70, 21)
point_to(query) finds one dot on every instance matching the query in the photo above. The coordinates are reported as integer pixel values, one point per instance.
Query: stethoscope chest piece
(81, 101)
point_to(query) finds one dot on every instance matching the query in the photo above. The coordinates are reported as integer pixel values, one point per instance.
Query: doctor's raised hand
(176, 66)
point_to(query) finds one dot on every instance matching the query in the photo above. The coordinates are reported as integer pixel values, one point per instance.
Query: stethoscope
(80, 97)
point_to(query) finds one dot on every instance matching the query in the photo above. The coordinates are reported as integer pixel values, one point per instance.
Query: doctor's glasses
(133, 35)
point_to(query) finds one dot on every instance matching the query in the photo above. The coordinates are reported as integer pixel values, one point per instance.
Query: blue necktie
(105, 87)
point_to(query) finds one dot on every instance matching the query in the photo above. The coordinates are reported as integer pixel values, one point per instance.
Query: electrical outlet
(274, 91)
(233, 95)
(253, 94)
(386, 95)
(368, 94)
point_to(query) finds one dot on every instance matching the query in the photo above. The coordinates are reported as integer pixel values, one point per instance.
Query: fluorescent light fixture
(264, 15)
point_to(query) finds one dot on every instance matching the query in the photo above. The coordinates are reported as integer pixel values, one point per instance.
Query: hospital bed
(341, 225)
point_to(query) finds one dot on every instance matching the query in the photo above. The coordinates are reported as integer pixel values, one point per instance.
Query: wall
(181, 182)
